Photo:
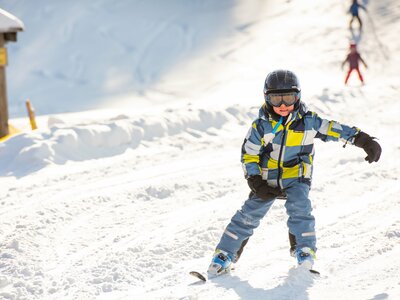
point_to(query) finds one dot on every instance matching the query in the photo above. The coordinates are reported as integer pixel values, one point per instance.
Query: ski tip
(198, 275)
(315, 272)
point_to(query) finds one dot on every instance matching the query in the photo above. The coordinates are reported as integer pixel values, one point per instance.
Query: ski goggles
(277, 99)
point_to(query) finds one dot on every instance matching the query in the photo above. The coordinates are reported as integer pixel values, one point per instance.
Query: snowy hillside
(122, 203)
(78, 55)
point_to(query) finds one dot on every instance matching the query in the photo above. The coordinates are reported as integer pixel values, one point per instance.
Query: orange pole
(31, 114)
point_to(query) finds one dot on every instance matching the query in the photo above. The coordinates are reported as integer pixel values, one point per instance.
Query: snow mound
(63, 142)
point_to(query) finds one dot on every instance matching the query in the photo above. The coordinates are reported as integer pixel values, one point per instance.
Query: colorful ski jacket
(282, 151)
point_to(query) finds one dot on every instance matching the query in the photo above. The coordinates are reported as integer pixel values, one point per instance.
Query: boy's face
(283, 110)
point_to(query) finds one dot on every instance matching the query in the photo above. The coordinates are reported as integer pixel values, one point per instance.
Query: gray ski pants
(301, 222)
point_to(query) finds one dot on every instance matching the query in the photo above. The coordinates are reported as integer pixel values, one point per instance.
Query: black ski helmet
(281, 81)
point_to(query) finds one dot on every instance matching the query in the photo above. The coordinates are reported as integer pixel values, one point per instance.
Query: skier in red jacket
(352, 58)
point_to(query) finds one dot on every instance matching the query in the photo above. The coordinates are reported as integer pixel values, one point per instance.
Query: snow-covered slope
(78, 55)
(123, 204)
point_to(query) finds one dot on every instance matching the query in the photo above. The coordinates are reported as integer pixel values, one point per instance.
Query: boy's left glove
(371, 147)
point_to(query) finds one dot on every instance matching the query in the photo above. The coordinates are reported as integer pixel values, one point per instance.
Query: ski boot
(305, 257)
(220, 264)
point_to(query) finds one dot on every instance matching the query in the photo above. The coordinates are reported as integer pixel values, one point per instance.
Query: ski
(315, 272)
(203, 278)
(198, 275)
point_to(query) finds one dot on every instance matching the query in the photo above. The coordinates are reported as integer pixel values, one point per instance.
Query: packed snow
(123, 200)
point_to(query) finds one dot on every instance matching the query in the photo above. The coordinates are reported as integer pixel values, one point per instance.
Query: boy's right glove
(371, 147)
(262, 189)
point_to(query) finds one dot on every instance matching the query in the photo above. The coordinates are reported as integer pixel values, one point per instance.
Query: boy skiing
(352, 59)
(277, 157)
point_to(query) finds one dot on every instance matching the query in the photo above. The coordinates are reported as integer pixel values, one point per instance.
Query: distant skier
(354, 10)
(277, 157)
(352, 59)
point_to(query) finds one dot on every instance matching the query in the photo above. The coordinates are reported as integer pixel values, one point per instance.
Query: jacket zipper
(280, 155)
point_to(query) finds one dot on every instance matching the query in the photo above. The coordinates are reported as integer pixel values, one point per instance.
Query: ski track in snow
(125, 207)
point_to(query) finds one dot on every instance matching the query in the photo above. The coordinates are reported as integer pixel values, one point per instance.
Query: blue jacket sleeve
(333, 131)
(251, 150)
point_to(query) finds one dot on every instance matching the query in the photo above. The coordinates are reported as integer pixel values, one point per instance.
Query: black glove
(262, 189)
(371, 147)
